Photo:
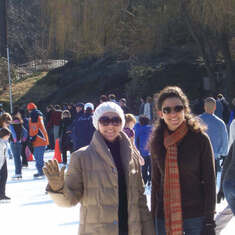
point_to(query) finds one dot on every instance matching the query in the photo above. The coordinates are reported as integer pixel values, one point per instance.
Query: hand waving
(54, 175)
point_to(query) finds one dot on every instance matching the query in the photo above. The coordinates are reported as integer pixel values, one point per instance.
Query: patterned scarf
(172, 193)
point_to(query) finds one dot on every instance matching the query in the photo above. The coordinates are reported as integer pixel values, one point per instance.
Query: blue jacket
(219, 109)
(82, 131)
(24, 134)
(142, 134)
(217, 133)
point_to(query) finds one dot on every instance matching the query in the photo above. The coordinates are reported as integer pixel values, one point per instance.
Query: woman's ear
(159, 113)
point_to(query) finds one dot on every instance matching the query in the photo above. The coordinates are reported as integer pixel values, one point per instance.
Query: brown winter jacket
(92, 180)
(197, 177)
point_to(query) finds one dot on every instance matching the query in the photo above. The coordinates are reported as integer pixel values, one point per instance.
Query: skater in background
(20, 114)
(19, 136)
(54, 121)
(38, 137)
(216, 130)
(4, 136)
(143, 130)
(129, 130)
(5, 121)
(65, 135)
(83, 129)
(129, 125)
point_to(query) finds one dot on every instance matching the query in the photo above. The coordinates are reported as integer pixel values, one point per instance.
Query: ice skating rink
(32, 212)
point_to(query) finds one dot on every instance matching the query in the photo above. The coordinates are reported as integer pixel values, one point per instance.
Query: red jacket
(55, 119)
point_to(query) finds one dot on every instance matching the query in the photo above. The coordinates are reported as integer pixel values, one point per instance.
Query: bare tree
(211, 24)
(3, 28)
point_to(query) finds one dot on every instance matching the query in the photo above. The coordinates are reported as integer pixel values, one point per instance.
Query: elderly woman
(105, 177)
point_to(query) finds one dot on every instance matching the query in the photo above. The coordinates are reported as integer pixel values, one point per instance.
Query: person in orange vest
(38, 136)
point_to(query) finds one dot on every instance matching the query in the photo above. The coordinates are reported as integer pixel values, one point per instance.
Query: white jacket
(3, 148)
(231, 133)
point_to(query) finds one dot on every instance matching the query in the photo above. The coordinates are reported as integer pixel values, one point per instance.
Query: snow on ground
(31, 210)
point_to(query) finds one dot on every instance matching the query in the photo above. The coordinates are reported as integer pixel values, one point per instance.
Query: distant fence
(27, 69)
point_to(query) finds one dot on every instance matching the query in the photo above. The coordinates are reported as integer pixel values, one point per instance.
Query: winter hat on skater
(105, 108)
(31, 106)
(89, 105)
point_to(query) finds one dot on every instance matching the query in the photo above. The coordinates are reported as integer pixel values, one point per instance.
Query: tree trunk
(201, 40)
(3, 28)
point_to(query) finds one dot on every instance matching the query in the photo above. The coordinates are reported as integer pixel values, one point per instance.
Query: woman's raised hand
(54, 175)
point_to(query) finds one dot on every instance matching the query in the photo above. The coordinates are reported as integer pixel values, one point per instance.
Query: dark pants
(24, 158)
(190, 226)
(64, 155)
(51, 138)
(3, 179)
(217, 166)
(146, 170)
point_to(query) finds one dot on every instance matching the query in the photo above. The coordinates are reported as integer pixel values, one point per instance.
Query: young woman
(105, 177)
(19, 136)
(183, 174)
(4, 136)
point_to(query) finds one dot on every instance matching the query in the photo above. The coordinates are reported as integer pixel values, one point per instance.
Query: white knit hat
(89, 105)
(107, 107)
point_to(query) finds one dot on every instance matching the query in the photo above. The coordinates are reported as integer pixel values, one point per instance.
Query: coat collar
(126, 151)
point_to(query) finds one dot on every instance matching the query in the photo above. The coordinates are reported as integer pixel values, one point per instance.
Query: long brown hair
(193, 123)
(5, 117)
(4, 132)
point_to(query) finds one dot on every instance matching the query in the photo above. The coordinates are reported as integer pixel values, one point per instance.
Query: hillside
(131, 48)
(87, 80)
(26, 90)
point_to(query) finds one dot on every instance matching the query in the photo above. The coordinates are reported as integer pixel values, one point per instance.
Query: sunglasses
(177, 109)
(105, 121)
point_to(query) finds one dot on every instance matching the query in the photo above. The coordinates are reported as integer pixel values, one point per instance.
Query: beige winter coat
(92, 180)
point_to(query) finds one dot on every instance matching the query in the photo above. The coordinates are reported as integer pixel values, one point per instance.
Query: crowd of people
(175, 152)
